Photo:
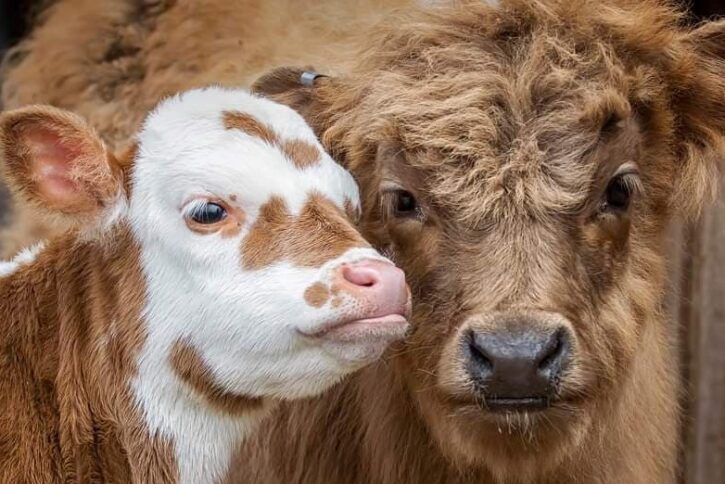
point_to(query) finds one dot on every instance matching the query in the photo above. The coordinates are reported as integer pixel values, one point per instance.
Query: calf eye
(208, 213)
(405, 204)
(619, 192)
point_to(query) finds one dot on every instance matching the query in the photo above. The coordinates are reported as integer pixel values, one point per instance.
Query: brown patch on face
(317, 295)
(250, 125)
(190, 367)
(301, 153)
(233, 198)
(319, 234)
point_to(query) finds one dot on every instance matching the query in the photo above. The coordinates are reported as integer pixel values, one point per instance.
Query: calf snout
(517, 369)
(379, 286)
(372, 304)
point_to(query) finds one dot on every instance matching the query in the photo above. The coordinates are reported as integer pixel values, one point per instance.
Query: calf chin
(512, 446)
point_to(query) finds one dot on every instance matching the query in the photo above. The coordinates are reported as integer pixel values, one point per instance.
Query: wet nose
(380, 284)
(517, 369)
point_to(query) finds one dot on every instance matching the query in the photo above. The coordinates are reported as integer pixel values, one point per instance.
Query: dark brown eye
(405, 204)
(619, 193)
(208, 213)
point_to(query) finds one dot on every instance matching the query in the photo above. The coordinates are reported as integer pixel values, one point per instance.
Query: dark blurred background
(14, 16)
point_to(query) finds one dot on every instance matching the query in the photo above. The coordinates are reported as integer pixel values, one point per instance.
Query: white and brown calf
(214, 269)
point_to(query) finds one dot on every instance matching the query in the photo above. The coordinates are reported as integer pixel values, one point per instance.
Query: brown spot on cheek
(250, 125)
(317, 295)
(301, 153)
(191, 368)
(319, 234)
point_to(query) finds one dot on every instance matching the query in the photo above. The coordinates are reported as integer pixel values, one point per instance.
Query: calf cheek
(437, 311)
(438, 297)
(416, 249)
(602, 302)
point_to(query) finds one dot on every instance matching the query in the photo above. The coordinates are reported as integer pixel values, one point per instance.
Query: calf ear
(302, 90)
(700, 103)
(57, 162)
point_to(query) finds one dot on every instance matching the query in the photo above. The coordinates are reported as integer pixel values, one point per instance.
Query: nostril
(555, 352)
(478, 355)
(360, 275)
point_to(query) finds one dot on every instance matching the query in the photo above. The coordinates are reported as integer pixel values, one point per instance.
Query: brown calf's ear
(700, 104)
(285, 85)
(56, 161)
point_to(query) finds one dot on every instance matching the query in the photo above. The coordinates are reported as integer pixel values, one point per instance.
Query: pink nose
(379, 285)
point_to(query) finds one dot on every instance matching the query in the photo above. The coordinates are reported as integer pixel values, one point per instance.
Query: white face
(249, 252)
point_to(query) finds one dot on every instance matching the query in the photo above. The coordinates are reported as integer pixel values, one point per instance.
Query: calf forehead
(231, 141)
(516, 129)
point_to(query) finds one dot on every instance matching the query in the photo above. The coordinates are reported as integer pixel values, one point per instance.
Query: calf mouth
(514, 416)
(354, 330)
(498, 406)
(518, 404)
(356, 342)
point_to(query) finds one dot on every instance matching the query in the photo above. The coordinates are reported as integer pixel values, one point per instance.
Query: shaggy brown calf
(522, 164)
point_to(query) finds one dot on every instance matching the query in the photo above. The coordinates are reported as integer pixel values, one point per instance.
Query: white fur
(24, 257)
(245, 324)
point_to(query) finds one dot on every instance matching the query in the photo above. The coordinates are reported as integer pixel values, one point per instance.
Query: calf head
(257, 282)
(522, 162)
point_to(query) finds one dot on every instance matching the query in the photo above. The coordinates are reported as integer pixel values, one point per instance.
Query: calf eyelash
(632, 182)
(628, 174)
(204, 212)
(193, 207)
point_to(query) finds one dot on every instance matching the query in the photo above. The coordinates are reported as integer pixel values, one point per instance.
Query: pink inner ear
(52, 163)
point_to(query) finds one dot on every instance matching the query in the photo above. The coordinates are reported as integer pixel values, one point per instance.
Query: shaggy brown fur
(507, 125)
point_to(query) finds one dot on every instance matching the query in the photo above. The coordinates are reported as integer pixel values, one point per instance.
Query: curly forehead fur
(487, 95)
